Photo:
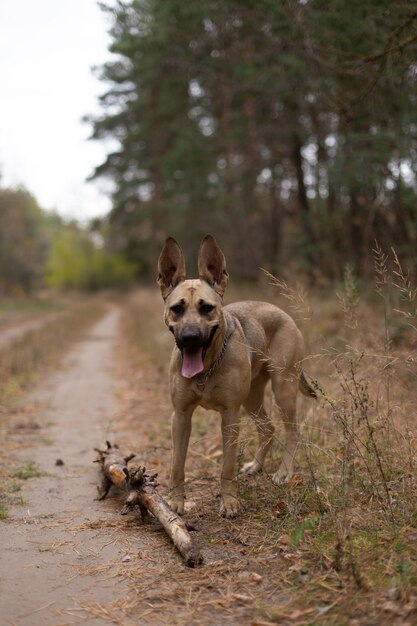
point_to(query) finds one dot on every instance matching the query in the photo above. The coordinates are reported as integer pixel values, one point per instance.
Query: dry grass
(337, 544)
(22, 359)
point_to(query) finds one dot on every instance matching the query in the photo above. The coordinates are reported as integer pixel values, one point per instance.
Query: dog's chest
(212, 404)
(211, 396)
(223, 392)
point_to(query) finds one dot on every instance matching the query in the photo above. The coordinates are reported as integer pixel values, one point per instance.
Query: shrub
(76, 262)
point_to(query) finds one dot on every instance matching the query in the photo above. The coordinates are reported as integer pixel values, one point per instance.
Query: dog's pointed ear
(212, 265)
(171, 267)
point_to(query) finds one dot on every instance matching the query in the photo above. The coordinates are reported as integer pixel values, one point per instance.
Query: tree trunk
(304, 207)
(275, 228)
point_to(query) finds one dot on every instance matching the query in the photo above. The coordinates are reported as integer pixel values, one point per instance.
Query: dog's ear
(171, 267)
(212, 265)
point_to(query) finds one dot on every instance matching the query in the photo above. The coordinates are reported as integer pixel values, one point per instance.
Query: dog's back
(272, 335)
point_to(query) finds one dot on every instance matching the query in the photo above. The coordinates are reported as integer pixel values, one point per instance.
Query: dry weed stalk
(297, 296)
(381, 269)
(408, 293)
(349, 298)
(359, 392)
(354, 411)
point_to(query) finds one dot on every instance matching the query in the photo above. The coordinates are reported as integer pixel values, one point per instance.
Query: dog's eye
(177, 309)
(206, 308)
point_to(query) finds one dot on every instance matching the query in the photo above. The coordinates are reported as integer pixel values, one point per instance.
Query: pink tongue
(192, 362)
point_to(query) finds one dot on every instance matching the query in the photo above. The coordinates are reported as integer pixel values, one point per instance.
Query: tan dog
(223, 360)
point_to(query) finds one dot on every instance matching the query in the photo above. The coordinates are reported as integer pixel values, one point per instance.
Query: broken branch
(142, 493)
(114, 466)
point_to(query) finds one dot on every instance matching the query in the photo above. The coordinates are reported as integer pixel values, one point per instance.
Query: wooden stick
(115, 471)
(142, 493)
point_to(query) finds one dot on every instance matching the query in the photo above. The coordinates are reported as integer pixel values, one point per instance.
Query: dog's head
(193, 308)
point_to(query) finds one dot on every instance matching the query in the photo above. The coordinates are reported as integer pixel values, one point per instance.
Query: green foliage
(23, 241)
(14, 487)
(75, 262)
(27, 471)
(299, 531)
(34, 242)
(4, 513)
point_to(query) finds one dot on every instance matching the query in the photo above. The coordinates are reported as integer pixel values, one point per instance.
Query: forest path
(53, 538)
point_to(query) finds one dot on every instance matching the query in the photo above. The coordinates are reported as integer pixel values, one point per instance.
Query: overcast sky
(47, 49)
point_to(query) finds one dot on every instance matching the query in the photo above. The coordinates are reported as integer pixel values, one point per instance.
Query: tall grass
(359, 444)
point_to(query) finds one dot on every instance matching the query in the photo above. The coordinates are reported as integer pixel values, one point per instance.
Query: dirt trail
(48, 541)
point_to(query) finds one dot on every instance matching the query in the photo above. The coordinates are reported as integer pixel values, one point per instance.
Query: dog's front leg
(230, 506)
(181, 429)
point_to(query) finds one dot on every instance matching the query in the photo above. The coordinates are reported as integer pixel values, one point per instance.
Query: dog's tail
(305, 387)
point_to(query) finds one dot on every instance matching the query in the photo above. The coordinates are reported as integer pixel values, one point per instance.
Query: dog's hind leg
(285, 387)
(254, 405)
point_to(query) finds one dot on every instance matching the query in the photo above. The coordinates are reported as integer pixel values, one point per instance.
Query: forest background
(286, 129)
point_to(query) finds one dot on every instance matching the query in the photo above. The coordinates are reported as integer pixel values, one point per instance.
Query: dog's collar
(202, 378)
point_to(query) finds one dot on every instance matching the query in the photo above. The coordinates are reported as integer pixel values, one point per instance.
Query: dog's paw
(251, 468)
(281, 477)
(230, 506)
(177, 504)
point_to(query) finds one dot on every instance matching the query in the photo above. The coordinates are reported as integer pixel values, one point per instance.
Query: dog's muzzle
(190, 338)
(193, 345)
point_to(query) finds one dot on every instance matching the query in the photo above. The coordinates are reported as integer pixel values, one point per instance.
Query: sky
(47, 50)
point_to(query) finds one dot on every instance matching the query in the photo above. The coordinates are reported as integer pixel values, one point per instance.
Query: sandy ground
(50, 540)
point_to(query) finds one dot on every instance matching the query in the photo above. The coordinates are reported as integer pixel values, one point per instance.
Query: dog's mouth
(193, 356)
(192, 361)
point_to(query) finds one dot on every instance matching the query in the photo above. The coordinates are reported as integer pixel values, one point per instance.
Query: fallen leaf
(297, 479)
(281, 508)
(252, 577)
(284, 540)
(390, 607)
(240, 597)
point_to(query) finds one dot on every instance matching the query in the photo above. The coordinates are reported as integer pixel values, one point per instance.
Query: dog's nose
(190, 337)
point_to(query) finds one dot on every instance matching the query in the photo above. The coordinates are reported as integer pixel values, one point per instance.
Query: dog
(223, 358)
